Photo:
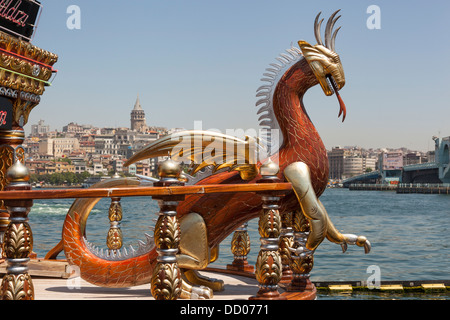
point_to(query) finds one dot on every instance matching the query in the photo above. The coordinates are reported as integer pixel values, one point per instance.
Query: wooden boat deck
(52, 281)
(236, 288)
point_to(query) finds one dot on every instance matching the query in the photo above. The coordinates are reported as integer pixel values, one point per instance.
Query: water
(408, 232)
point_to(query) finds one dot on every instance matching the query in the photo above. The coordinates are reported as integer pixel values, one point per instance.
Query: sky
(202, 60)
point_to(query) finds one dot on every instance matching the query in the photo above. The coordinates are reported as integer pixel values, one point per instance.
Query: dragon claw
(201, 293)
(300, 251)
(360, 241)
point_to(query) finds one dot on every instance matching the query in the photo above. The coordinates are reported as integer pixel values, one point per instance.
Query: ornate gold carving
(240, 247)
(322, 59)
(115, 211)
(302, 265)
(268, 268)
(166, 281)
(25, 67)
(26, 49)
(240, 244)
(19, 73)
(114, 240)
(18, 241)
(167, 232)
(7, 160)
(19, 82)
(17, 287)
(285, 253)
(300, 223)
(270, 224)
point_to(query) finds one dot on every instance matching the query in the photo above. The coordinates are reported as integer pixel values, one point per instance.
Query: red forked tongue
(342, 110)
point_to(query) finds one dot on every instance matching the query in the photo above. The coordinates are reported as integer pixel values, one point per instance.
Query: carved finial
(169, 169)
(270, 168)
(18, 173)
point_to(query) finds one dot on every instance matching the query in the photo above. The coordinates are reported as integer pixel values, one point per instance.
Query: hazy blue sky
(203, 60)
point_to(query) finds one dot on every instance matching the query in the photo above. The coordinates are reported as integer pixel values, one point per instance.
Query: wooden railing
(17, 241)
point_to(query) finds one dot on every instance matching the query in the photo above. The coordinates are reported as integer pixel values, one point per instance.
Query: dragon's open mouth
(334, 87)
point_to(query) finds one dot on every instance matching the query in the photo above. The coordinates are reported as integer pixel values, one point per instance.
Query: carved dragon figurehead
(206, 219)
(324, 61)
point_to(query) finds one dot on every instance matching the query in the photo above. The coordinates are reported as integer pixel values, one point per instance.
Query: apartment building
(58, 146)
(348, 162)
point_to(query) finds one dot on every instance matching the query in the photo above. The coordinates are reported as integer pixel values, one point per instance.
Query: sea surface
(409, 233)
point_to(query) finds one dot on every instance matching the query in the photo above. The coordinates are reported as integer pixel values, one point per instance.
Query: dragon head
(324, 61)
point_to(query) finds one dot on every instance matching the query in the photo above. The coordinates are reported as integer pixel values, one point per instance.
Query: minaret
(138, 117)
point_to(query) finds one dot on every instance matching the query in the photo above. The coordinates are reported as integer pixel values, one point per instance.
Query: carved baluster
(166, 279)
(286, 242)
(240, 247)
(302, 263)
(114, 240)
(268, 264)
(10, 149)
(18, 239)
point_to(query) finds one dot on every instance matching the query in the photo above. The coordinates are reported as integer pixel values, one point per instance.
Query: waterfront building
(31, 147)
(336, 163)
(353, 166)
(61, 166)
(128, 141)
(88, 146)
(369, 163)
(349, 161)
(80, 166)
(131, 169)
(411, 158)
(74, 128)
(117, 165)
(58, 146)
(104, 144)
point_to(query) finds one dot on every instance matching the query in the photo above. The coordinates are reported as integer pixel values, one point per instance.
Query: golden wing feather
(203, 149)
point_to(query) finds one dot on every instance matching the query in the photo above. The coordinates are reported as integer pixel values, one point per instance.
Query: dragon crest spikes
(330, 36)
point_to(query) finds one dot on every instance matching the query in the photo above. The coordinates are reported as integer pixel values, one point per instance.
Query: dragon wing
(206, 148)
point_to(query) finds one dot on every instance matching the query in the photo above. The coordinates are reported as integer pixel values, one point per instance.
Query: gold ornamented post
(301, 264)
(114, 240)
(286, 242)
(18, 239)
(10, 142)
(268, 263)
(240, 247)
(166, 280)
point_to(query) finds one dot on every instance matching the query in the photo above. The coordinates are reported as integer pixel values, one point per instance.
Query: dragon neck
(293, 120)
(301, 141)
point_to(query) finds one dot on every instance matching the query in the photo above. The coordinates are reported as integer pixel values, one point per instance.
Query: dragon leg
(195, 255)
(320, 224)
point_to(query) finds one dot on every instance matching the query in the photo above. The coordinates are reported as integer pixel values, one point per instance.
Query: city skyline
(91, 126)
(203, 61)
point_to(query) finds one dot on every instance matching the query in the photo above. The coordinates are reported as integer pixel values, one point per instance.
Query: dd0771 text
(246, 309)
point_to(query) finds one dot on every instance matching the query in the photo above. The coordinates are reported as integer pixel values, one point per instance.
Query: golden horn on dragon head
(329, 37)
